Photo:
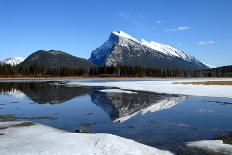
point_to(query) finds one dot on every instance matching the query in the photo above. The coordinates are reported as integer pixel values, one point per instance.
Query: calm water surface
(160, 120)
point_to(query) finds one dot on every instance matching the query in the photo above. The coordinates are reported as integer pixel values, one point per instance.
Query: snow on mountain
(167, 50)
(210, 66)
(13, 61)
(158, 47)
(124, 35)
(123, 49)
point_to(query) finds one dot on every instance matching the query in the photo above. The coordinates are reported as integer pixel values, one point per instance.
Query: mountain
(13, 61)
(56, 59)
(122, 106)
(122, 49)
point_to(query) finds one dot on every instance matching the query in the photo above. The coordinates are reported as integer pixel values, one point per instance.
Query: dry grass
(223, 83)
(66, 77)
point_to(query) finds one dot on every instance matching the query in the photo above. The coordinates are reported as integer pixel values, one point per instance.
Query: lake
(164, 121)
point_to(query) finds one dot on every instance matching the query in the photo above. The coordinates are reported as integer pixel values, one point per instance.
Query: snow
(127, 41)
(158, 47)
(44, 140)
(125, 35)
(117, 91)
(13, 61)
(166, 86)
(210, 66)
(213, 146)
(159, 106)
(166, 49)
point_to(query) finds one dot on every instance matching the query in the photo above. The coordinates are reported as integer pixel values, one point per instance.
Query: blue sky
(202, 28)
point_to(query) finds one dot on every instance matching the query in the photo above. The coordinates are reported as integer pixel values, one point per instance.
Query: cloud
(141, 15)
(124, 15)
(183, 28)
(170, 30)
(179, 28)
(159, 21)
(135, 21)
(205, 42)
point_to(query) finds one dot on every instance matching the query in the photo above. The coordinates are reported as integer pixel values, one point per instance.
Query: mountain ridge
(13, 61)
(56, 59)
(123, 49)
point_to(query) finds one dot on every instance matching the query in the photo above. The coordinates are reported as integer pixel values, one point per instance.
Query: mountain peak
(123, 49)
(56, 59)
(124, 35)
(13, 61)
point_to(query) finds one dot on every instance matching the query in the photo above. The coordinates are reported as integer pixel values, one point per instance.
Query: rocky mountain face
(122, 49)
(56, 59)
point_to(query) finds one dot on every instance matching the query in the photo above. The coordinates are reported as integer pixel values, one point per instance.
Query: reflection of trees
(42, 92)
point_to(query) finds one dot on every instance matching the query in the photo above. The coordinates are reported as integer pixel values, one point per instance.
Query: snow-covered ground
(117, 91)
(213, 146)
(166, 86)
(44, 140)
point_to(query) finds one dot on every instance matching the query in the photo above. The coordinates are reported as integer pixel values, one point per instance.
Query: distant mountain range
(120, 49)
(13, 61)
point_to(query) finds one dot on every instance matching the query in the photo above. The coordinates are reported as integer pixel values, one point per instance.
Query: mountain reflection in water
(116, 105)
(161, 120)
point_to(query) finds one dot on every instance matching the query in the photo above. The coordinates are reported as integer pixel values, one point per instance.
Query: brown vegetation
(224, 83)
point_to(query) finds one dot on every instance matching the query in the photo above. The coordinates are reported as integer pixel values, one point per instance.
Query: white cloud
(205, 42)
(159, 21)
(124, 15)
(170, 30)
(183, 28)
(179, 28)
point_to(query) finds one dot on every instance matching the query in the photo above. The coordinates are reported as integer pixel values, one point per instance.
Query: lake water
(160, 120)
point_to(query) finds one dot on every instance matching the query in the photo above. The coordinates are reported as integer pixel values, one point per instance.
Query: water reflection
(116, 105)
(160, 120)
(122, 106)
(43, 92)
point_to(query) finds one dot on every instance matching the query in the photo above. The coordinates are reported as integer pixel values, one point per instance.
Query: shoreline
(101, 77)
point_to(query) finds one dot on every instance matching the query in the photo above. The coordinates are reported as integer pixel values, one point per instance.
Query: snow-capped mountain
(123, 49)
(13, 61)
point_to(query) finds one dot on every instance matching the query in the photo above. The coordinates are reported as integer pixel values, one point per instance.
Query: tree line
(37, 70)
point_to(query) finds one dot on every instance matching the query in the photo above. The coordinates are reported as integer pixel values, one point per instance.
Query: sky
(202, 28)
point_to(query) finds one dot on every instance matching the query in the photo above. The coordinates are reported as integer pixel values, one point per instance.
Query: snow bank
(213, 146)
(117, 91)
(44, 140)
(166, 86)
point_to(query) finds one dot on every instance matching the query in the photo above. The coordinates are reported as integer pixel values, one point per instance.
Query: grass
(24, 124)
(8, 117)
(227, 139)
(222, 83)
(11, 117)
(40, 118)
